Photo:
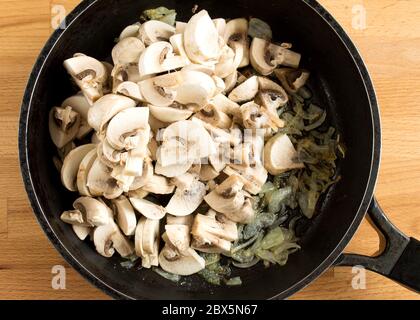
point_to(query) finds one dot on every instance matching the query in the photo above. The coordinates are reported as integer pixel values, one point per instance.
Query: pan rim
(115, 293)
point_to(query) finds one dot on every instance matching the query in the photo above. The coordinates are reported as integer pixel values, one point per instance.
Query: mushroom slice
(172, 171)
(208, 172)
(177, 42)
(81, 231)
(121, 244)
(228, 196)
(123, 130)
(102, 238)
(209, 70)
(213, 115)
(71, 165)
(196, 88)
(226, 105)
(138, 237)
(106, 108)
(280, 155)
(226, 64)
(153, 31)
(63, 124)
(127, 51)
(95, 212)
(183, 265)
(130, 31)
(265, 56)
(214, 230)
(79, 104)
(150, 235)
(159, 185)
(147, 208)
(184, 220)
(186, 200)
(245, 91)
(192, 137)
(201, 39)
(236, 36)
(180, 27)
(253, 177)
(147, 175)
(230, 82)
(169, 114)
(254, 117)
(291, 79)
(82, 173)
(126, 218)
(131, 90)
(159, 57)
(89, 74)
(179, 237)
(161, 91)
(100, 182)
(74, 217)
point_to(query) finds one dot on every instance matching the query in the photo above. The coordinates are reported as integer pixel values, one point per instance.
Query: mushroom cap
(106, 108)
(182, 265)
(158, 57)
(82, 173)
(130, 89)
(102, 238)
(178, 236)
(236, 32)
(186, 201)
(100, 182)
(213, 115)
(127, 123)
(196, 88)
(228, 196)
(147, 208)
(169, 114)
(96, 213)
(74, 217)
(126, 218)
(78, 103)
(258, 56)
(130, 31)
(230, 82)
(279, 154)
(71, 165)
(225, 64)
(63, 124)
(159, 185)
(127, 51)
(161, 90)
(153, 31)
(245, 91)
(201, 38)
(81, 231)
(177, 42)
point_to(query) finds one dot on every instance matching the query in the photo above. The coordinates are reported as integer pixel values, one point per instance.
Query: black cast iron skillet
(344, 86)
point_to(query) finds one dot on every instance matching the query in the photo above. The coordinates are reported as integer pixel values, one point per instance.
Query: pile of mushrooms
(173, 116)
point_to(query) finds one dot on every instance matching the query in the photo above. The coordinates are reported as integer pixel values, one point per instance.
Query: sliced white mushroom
(180, 27)
(172, 170)
(74, 217)
(121, 243)
(179, 237)
(280, 155)
(82, 173)
(100, 182)
(102, 238)
(106, 108)
(95, 212)
(128, 127)
(177, 42)
(236, 36)
(170, 114)
(130, 31)
(63, 124)
(213, 115)
(253, 177)
(147, 175)
(145, 240)
(150, 235)
(226, 105)
(226, 64)
(159, 185)
(173, 262)
(126, 218)
(214, 230)
(196, 88)
(230, 82)
(153, 31)
(227, 197)
(127, 51)
(201, 39)
(208, 172)
(131, 90)
(209, 70)
(71, 165)
(79, 104)
(186, 200)
(159, 57)
(161, 90)
(81, 231)
(265, 56)
(220, 25)
(292, 79)
(147, 208)
(185, 220)
(245, 91)
(89, 74)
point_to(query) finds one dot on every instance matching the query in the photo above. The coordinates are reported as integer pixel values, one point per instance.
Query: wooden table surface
(390, 44)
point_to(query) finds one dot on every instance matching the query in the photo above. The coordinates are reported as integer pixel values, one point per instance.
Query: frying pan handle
(400, 258)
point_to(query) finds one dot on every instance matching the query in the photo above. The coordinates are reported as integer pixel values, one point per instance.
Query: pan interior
(339, 87)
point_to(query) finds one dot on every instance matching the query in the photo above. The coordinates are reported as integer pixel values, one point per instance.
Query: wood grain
(390, 46)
